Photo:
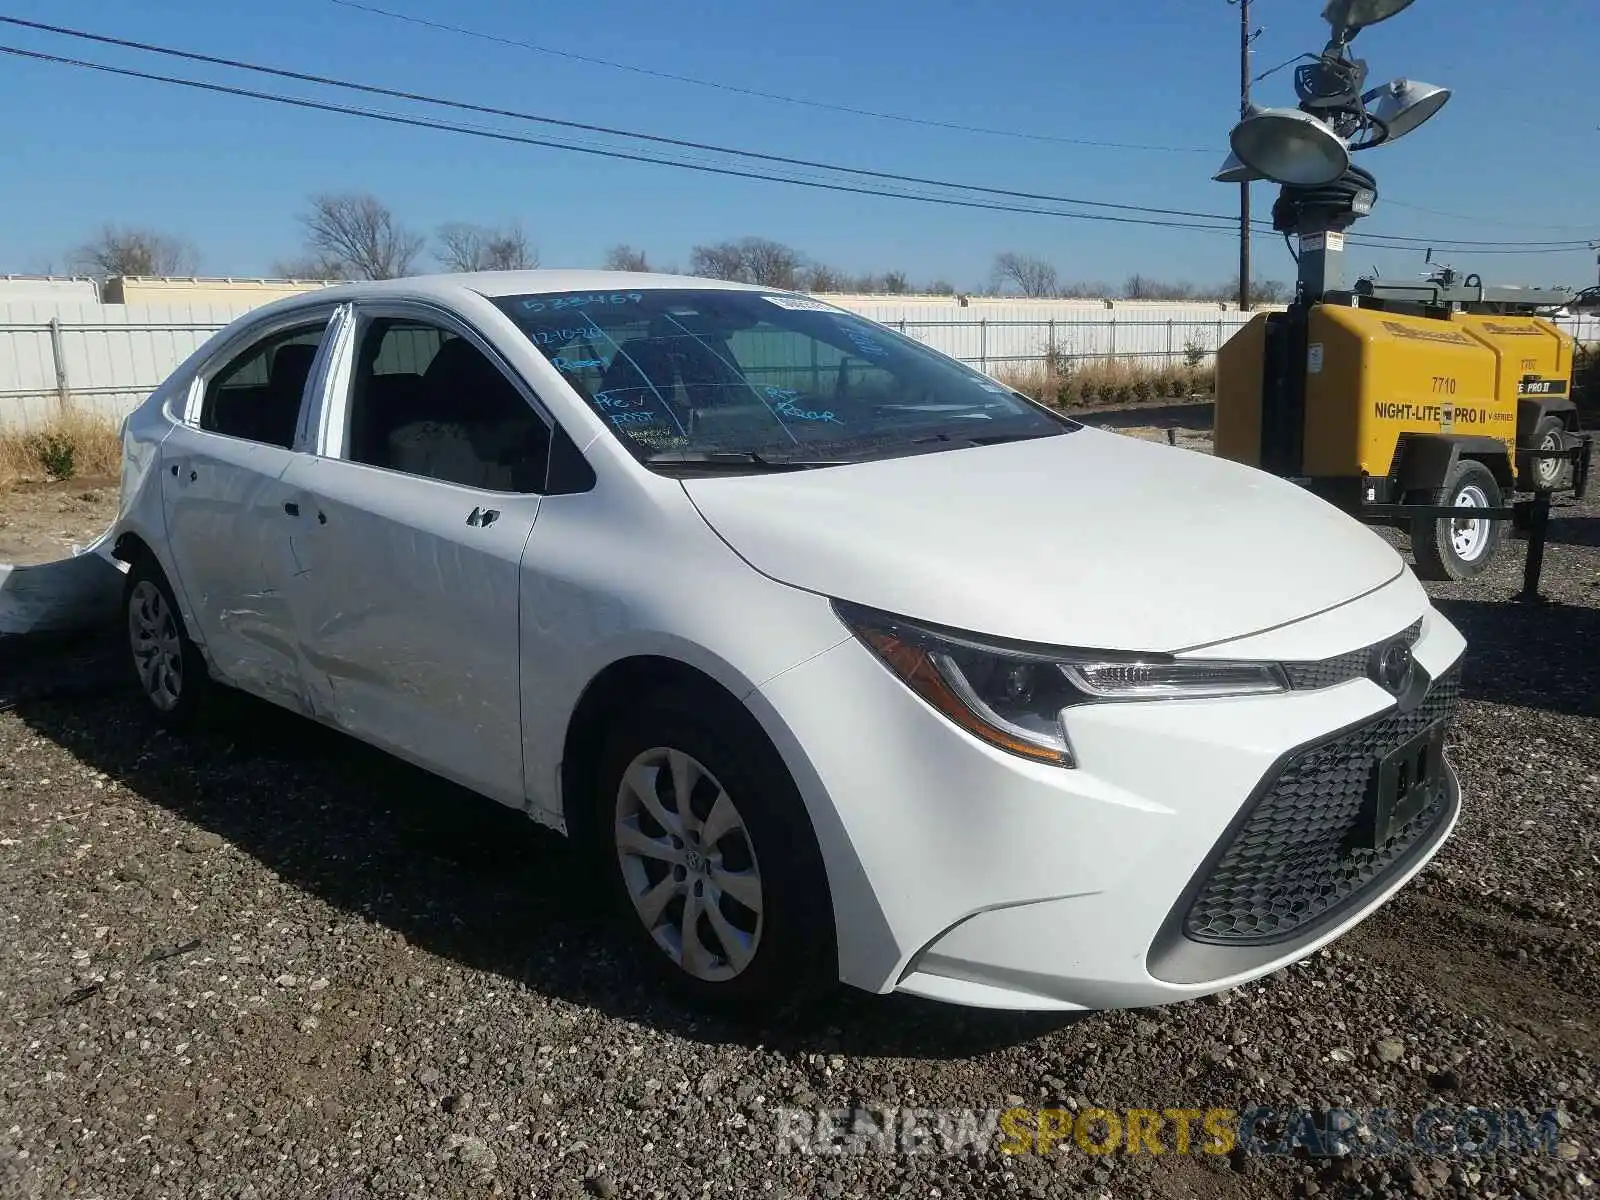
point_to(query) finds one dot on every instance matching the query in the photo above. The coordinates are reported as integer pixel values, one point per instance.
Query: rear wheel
(167, 666)
(1550, 474)
(713, 860)
(1458, 548)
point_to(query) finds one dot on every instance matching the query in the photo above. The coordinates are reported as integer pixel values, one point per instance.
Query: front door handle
(290, 507)
(483, 516)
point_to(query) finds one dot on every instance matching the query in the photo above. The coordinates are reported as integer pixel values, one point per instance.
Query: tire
(1451, 549)
(167, 667)
(1550, 474)
(764, 947)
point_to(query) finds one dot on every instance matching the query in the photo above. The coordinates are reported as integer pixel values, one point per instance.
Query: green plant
(55, 451)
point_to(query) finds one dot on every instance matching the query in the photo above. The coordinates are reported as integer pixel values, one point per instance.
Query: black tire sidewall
(196, 676)
(795, 960)
(1436, 557)
(1545, 427)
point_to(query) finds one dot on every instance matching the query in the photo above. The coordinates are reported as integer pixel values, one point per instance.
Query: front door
(408, 551)
(221, 472)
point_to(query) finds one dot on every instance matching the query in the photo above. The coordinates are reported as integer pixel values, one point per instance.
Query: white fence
(106, 358)
(94, 357)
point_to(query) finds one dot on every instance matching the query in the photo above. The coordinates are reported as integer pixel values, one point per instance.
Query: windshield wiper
(735, 460)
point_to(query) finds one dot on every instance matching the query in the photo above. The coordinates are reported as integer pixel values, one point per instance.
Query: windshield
(770, 377)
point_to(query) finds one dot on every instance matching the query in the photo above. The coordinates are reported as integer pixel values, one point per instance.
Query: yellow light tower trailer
(1411, 405)
(1394, 399)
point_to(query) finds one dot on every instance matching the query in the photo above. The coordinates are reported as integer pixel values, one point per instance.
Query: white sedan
(846, 662)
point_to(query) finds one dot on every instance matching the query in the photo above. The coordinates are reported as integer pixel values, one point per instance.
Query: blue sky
(1517, 149)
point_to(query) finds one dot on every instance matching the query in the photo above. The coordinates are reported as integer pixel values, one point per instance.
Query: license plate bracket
(1403, 783)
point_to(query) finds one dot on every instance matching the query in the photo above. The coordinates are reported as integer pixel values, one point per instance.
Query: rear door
(412, 523)
(225, 506)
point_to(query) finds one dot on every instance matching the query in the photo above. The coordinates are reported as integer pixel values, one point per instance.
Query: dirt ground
(42, 521)
(264, 961)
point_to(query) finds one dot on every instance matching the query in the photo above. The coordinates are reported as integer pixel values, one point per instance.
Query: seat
(478, 430)
(286, 385)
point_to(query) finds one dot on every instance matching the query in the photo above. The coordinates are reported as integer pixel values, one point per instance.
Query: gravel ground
(265, 961)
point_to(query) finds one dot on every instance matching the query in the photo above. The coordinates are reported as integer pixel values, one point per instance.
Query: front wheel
(714, 861)
(1459, 548)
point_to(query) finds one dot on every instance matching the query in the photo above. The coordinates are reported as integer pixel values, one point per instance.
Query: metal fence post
(63, 394)
(983, 345)
(1113, 337)
(1169, 339)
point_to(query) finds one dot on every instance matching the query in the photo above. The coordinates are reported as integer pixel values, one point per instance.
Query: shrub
(72, 445)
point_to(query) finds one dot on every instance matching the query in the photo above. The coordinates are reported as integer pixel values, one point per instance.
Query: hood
(1088, 539)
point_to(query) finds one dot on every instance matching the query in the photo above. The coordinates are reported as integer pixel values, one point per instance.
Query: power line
(1399, 242)
(904, 118)
(1436, 212)
(809, 164)
(629, 156)
(463, 106)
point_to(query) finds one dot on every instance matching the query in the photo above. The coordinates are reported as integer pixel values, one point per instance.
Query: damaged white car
(848, 662)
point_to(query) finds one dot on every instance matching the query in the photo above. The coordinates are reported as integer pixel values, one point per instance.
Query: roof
(453, 287)
(521, 283)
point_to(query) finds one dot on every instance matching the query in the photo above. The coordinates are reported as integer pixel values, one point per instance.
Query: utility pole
(1244, 188)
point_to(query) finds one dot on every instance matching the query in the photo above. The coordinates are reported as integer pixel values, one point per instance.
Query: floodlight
(1290, 146)
(1234, 171)
(1350, 17)
(1402, 104)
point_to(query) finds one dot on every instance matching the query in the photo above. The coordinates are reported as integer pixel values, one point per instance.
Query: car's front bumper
(963, 873)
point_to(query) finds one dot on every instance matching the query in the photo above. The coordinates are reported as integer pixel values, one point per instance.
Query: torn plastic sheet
(64, 595)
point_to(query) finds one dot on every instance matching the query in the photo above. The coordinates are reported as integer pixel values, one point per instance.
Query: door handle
(483, 516)
(290, 507)
(174, 470)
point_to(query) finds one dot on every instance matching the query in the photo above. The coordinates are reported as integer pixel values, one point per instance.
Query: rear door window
(257, 395)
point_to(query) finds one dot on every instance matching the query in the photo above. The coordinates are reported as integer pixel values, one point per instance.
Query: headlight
(1013, 696)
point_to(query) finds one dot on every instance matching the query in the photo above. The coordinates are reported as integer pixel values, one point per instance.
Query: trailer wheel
(1458, 548)
(1550, 474)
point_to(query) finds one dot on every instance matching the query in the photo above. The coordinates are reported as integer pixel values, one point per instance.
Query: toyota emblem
(1394, 667)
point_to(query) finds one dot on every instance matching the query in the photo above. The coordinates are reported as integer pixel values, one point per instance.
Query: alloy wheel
(156, 644)
(688, 864)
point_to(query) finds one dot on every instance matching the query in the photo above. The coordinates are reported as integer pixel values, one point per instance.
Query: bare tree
(722, 261)
(894, 283)
(463, 247)
(1267, 291)
(309, 267)
(119, 251)
(819, 277)
(360, 233)
(941, 287)
(1143, 287)
(623, 257)
(1031, 276)
(749, 260)
(771, 264)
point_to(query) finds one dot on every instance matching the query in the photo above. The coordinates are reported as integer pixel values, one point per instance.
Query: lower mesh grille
(1291, 862)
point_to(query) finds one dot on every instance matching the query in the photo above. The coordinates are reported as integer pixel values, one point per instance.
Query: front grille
(1292, 863)
(1344, 667)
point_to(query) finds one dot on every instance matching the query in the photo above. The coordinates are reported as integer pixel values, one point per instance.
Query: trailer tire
(1551, 475)
(1448, 548)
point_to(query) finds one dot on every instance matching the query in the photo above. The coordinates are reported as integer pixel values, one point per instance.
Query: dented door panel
(225, 529)
(406, 614)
